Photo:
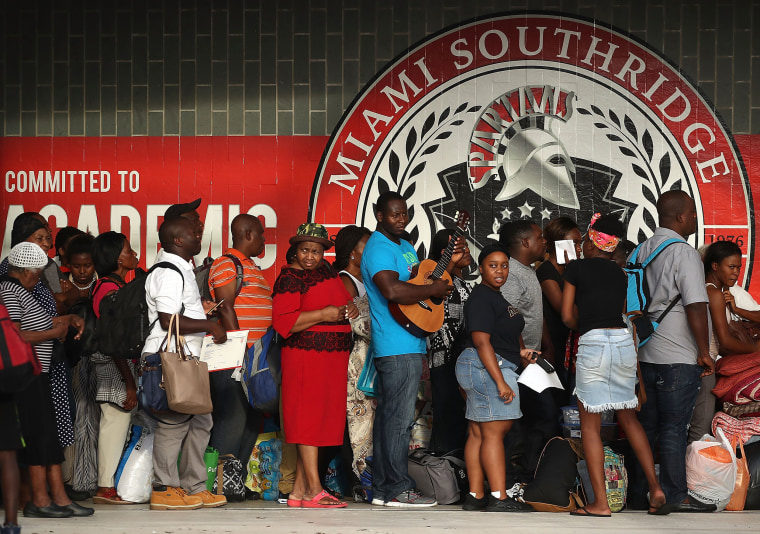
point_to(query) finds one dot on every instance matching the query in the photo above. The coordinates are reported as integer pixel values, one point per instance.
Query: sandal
(314, 502)
(583, 512)
(663, 509)
(294, 503)
(110, 497)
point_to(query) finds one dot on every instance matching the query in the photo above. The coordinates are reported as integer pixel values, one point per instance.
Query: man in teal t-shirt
(387, 264)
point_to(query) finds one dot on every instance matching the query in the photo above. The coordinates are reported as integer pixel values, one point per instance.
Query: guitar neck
(446, 256)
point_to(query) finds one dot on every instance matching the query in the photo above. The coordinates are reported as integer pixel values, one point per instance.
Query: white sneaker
(411, 499)
(378, 502)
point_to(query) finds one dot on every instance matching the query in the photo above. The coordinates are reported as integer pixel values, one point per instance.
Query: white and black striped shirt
(23, 308)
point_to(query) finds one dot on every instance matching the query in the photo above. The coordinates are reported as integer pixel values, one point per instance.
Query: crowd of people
(533, 300)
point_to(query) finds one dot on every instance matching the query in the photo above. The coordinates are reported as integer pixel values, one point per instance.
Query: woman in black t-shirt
(593, 301)
(487, 372)
(549, 274)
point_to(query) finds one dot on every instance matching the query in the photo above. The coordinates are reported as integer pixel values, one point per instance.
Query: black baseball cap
(176, 210)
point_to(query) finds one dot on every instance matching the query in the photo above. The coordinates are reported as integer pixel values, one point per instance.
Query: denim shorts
(606, 370)
(483, 402)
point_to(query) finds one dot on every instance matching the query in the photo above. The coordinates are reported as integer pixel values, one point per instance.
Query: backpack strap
(168, 265)
(239, 270)
(656, 252)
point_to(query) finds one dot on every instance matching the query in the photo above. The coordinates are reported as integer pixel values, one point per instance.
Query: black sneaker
(472, 504)
(506, 505)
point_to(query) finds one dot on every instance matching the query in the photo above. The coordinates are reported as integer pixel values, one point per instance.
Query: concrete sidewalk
(258, 517)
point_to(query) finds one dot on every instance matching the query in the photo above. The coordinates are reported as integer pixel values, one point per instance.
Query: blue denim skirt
(483, 401)
(606, 370)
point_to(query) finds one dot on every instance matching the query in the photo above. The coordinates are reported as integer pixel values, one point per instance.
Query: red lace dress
(314, 361)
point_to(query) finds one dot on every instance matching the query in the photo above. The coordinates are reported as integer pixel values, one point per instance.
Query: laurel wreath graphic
(418, 148)
(641, 149)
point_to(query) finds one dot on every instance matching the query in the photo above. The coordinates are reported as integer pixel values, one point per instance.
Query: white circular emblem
(533, 116)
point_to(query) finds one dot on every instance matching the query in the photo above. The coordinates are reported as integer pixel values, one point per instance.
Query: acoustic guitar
(426, 316)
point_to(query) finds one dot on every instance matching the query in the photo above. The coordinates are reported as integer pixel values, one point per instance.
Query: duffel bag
(436, 476)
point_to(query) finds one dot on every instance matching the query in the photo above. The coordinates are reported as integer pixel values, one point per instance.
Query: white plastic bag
(710, 475)
(136, 481)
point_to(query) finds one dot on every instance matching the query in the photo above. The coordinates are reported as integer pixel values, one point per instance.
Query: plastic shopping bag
(711, 470)
(264, 466)
(616, 480)
(739, 497)
(136, 480)
(211, 459)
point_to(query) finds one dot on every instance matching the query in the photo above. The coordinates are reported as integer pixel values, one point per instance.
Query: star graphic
(525, 210)
(546, 214)
(506, 213)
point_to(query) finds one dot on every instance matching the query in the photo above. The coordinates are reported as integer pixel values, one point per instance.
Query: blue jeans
(397, 380)
(671, 394)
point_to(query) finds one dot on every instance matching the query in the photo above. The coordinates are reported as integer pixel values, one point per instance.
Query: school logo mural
(533, 116)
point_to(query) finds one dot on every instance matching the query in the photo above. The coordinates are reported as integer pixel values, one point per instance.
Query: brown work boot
(171, 498)
(209, 499)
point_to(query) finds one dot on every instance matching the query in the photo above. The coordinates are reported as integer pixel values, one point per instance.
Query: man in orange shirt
(247, 306)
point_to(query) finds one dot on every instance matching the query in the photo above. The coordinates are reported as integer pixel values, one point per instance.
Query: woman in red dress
(310, 309)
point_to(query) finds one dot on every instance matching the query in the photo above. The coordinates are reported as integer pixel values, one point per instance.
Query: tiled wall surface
(291, 67)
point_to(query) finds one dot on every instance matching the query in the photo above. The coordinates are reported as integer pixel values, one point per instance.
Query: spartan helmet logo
(532, 157)
(513, 142)
(518, 167)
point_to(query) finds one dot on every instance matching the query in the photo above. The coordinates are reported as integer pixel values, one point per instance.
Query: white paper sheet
(537, 379)
(227, 355)
(565, 246)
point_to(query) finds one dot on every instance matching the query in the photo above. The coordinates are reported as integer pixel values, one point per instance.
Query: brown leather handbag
(185, 377)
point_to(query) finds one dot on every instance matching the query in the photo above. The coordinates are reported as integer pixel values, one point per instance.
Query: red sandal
(314, 501)
(110, 497)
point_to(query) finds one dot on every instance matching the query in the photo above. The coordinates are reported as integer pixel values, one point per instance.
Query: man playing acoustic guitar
(387, 264)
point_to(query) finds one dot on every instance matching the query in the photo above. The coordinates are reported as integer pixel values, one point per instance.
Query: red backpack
(18, 362)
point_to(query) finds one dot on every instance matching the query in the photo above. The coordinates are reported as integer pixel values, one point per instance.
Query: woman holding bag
(311, 309)
(360, 408)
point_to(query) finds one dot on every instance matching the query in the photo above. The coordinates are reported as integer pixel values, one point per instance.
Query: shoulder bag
(185, 377)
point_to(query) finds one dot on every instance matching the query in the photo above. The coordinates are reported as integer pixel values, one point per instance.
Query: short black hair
(25, 225)
(719, 251)
(290, 255)
(490, 249)
(80, 244)
(610, 225)
(440, 241)
(626, 246)
(106, 249)
(345, 243)
(511, 233)
(386, 198)
(64, 235)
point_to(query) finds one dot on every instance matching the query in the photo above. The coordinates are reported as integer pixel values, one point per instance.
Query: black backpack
(123, 326)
